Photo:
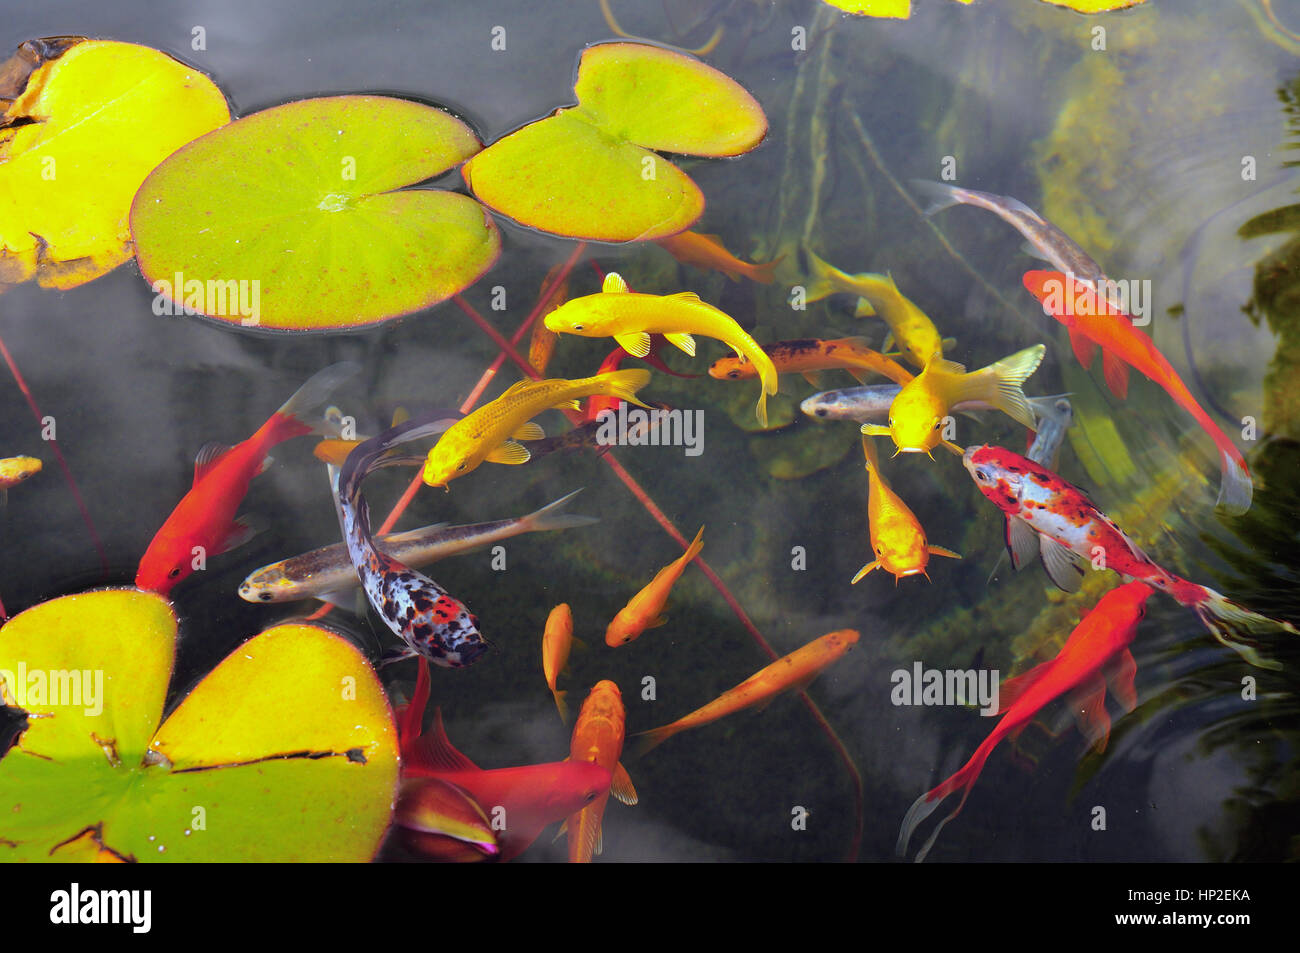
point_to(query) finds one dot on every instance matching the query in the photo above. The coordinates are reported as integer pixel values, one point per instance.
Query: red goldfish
(1077, 530)
(1122, 344)
(1096, 654)
(203, 522)
(598, 740)
(523, 800)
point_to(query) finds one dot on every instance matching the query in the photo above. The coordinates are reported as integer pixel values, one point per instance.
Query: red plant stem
(63, 464)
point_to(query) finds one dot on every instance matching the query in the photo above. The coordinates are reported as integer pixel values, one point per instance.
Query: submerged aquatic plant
(303, 209)
(588, 171)
(293, 719)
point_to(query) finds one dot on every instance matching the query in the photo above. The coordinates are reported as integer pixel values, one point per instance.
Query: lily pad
(91, 120)
(589, 171)
(286, 751)
(300, 214)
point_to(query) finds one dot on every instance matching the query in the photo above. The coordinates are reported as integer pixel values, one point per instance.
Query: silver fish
(870, 404)
(327, 573)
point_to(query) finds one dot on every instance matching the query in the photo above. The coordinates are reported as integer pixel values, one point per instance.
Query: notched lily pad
(84, 122)
(299, 214)
(286, 751)
(588, 170)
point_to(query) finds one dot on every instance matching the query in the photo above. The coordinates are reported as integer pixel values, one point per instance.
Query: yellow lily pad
(588, 170)
(89, 124)
(299, 214)
(286, 751)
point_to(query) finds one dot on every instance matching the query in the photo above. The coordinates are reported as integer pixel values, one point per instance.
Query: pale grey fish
(870, 404)
(1023, 542)
(329, 572)
(1043, 239)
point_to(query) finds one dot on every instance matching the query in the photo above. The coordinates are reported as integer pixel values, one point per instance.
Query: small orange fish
(598, 739)
(809, 356)
(13, 470)
(645, 609)
(897, 538)
(793, 672)
(542, 344)
(557, 640)
(708, 253)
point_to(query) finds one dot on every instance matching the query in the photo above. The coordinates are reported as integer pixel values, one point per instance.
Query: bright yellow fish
(631, 318)
(917, 414)
(490, 432)
(897, 538)
(917, 337)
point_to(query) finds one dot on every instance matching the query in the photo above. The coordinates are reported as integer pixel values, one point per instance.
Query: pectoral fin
(866, 569)
(1022, 542)
(622, 787)
(1061, 564)
(875, 430)
(682, 340)
(240, 532)
(940, 551)
(816, 378)
(1088, 703)
(636, 343)
(1120, 675)
(509, 452)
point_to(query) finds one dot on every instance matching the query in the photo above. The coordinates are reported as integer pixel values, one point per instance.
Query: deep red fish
(203, 523)
(1074, 527)
(522, 800)
(1096, 654)
(599, 402)
(1121, 344)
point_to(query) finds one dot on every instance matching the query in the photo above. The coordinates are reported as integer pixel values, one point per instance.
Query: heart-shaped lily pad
(296, 217)
(91, 120)
(588, 171)
(286, 751)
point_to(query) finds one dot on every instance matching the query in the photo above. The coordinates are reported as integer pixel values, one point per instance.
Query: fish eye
(174, 573)
(734, 375)
(461, 467)
(891, 421)
(938, 424)
(265, 597)
(981, 476)
(579, 327)
(591, 796)
(821, 411)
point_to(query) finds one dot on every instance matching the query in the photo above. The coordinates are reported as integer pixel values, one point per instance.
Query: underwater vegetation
(688, 274)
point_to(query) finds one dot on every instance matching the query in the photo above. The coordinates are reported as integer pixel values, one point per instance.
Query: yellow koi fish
(917, 337)
(916, 416)
(897, 538)
(490, 432)
(631, 318)
(645, 609)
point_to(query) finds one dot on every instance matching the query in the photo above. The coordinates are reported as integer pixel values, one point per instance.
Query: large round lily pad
(588, 171)
(286, 751)
(296, 217)
(92, 119)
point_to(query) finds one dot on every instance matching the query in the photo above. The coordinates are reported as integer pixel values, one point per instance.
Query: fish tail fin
(649, 740)
(1000, 386)
(625, 384)
(825, 278)
(562, 706)
(929, 802)
(1229, 622)
(764, 273)
(549, 516)
(693, 550)
(1235, 486)
(938, 196)
(312, 394)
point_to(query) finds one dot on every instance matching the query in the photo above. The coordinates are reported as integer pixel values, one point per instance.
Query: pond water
(1151, 144)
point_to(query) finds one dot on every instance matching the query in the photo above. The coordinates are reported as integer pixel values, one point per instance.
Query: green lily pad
(289, 218)
(244, 769)
(588, 171)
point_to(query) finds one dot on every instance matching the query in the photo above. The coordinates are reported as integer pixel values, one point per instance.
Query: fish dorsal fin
(622, 787)
(636, 343)
(690, 297)
(865, 309)
(681, 339)
(434, 749)
(614, 284)
(510, 453)
(948, 367)
(516, 387)
(1012, 689)
(529, 431)
(207, 458)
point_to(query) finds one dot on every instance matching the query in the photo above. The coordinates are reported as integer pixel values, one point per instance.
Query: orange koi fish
(707, 252)
(13, 470)
(526, 799)
(542, 344)
(645, 609)
(557, 641)
(598, 740)
(809, 356)
(1096, 654)
(793, 672)
(897, 538)
(1121, 344)
(204, 520)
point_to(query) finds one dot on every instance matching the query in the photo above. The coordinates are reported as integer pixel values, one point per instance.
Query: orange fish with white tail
(793, 672)
(645, 609)
(598, 739)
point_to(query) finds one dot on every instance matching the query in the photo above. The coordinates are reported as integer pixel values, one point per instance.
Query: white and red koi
(431, 622)
(1078, 530)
